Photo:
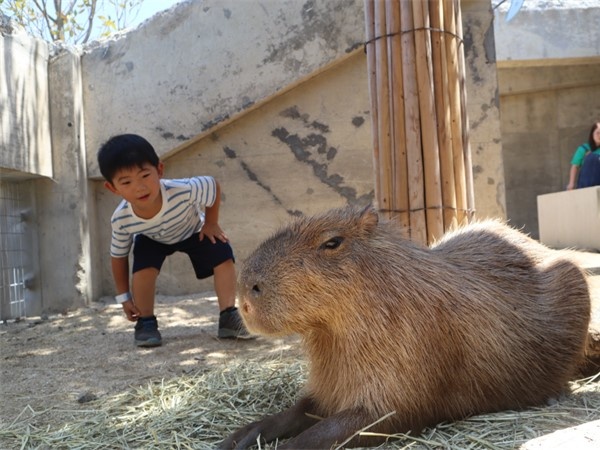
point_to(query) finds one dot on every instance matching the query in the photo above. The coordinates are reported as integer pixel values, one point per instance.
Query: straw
(197, 410)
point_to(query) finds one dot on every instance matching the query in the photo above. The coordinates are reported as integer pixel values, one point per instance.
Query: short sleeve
(204, 191)
(578, 156)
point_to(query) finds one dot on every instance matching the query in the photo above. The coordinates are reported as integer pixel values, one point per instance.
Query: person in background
(158, 217)
(587, 154)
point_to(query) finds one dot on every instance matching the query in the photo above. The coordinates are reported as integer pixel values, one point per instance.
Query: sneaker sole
(225, 333)
(149, 343)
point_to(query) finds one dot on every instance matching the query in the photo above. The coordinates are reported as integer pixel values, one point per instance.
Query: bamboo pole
(412, 119)
(400, 202)
(441, 91)
(421, 156)
(431, 160)
(385, 166)
(468, 163)
(372, 68)
(455, 109)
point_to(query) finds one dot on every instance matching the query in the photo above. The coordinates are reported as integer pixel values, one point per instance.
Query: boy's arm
(211, 228)
(120, 270)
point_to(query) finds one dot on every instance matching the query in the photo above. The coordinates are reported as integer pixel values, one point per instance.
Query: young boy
(159, 217)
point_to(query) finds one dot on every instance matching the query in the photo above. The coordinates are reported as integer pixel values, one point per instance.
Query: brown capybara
(487, 319)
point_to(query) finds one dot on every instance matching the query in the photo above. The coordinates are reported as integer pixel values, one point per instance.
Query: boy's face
(140, 186)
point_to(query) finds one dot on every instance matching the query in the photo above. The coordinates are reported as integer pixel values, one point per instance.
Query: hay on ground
(197, 411)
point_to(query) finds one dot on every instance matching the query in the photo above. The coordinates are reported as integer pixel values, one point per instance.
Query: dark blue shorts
(205, 255)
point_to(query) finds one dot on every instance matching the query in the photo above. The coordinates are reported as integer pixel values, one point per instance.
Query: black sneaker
(146, 332)
(231, 325)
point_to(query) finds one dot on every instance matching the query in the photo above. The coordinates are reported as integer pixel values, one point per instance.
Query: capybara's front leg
(335, 430)
(285, 424)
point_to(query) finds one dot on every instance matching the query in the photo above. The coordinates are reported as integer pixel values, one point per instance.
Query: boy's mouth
(144, 197)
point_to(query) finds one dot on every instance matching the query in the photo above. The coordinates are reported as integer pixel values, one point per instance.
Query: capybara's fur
(487, 319)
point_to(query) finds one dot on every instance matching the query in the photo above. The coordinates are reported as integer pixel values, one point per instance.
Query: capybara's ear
(368, 219)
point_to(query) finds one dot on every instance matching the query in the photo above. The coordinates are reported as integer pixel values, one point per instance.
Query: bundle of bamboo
(422, 159)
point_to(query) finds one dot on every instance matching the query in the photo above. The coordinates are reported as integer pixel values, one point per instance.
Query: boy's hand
(130, 310)
(213, 232)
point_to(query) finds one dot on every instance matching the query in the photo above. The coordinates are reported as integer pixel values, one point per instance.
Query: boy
(159, 217)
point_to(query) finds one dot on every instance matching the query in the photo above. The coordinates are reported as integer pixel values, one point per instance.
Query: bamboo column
(422, 162)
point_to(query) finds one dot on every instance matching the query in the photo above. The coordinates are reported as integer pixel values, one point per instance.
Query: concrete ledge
(570, 219)
(529, 37)
(581, 437)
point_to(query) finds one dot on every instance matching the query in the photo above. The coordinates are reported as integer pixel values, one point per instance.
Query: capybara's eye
(332, 243)
(256, 289)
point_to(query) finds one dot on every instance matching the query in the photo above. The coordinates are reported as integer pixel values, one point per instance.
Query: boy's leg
(216, 259)
(230, 322)
(148, 256)
(146, 328)
(224, 280)
(143, 285)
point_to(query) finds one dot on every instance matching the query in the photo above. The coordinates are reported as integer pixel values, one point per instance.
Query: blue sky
(151, 7)
(104, 8)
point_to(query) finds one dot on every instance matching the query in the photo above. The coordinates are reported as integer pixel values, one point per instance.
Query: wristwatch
(122, 298)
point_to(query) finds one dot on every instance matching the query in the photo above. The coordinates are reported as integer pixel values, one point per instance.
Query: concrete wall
(548, 30)
(302, 151)
(548, 76)
(305, 151)
(269, 97)
(65, 205)
(43, 155)
(24, 107)
(204, 63)
(547, 112)
(483, 109)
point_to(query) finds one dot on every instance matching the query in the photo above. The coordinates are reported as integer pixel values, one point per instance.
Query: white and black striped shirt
(181, 215)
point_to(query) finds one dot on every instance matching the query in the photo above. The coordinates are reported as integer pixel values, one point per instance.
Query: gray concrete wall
(483, 109)
(547, 112)
(65, 204)
(305, 151)
(269, 97)
(308, 149)
(549, 82)
(548, 29)
(24, 107)
(204, 63)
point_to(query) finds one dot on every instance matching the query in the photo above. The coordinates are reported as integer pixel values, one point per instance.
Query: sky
(151, 7)
(147, 9)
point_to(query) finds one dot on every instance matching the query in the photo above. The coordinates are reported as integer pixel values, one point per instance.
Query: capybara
(487, 319)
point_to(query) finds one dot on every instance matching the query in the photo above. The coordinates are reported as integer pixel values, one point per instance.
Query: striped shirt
(181, 215)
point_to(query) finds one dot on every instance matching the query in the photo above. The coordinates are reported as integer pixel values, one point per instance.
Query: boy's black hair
(123, 152)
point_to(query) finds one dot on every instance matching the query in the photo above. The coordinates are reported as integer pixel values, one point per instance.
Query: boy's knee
(225, 265)
(147, 272)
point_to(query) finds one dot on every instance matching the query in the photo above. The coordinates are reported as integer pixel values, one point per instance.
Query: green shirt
(581, 153)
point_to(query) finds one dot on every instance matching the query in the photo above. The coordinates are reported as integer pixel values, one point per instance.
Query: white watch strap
(122, 298)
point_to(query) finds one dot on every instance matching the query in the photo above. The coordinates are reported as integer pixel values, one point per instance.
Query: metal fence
(13, 249)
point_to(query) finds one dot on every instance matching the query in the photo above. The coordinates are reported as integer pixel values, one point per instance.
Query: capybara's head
(294, 280)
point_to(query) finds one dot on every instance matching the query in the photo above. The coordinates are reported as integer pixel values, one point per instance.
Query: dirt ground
(54, 366)
(64, 361)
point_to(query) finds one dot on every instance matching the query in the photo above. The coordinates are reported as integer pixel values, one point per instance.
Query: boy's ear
(108, 185)
(160, 168)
